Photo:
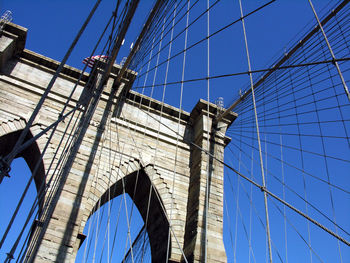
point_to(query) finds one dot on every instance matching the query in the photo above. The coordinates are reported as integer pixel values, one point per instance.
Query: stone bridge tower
(157, 151)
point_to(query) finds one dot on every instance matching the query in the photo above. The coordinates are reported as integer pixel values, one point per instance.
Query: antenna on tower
(5, 18)
(220, 104)
(123, 61)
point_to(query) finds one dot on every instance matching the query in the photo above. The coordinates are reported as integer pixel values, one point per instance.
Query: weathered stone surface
(143, 145)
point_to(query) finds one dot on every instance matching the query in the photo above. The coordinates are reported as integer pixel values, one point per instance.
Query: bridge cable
(118, 175)
(236, 219)
(331, 51)
(44, 187)
(249, 197)
(163, 209)
(299, 196)
(324, 152)
(169, 31)
(315, 72)
(119, 165)
(144, 133)
(265, 140)
(150, 192)
(255, 210)
(245, 73)
(258, 136)
(158, 129)
(263, 70)
(53, 126)
(228, 221)
(177, 136)
(124, 96)
(251, 187)
(279, 199)
(345, 131)
(146, 43)
(41, 188)
(68, 125)
(110, 171)
(94, 103)
(104, 137)
(287, 56)
(159, 197)
(64, 115)
(315, 177)
(209, 169)
(282, 169)
(20, 140)
(306, 151)
(298, 232)
(214, 33)
(301, 152)
(187, 26)
(290, 189)
(148, 205)
(138, 60)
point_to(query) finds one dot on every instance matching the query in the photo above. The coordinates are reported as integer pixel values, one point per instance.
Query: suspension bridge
(139, 161)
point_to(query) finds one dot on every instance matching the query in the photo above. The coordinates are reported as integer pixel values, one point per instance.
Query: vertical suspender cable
(236, 218)
(251, 191)
(156, 148)
(148, 206)
(135, 48)
(54, 127)
(25, 145)
(282, 167)
(9, 158)
(331, 51)
(318, 117)
(301, 151)
(258, 136)
(163, 97)
(86, 120)
(207, 190)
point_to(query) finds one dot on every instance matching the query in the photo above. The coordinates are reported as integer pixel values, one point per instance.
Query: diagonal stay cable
(296, 230)
(270, 193)
(331, 51)
(9, 158)
(258, 135)
(286, 57)
(246, 72)
(214, 33)
(182, 31)
(139, 58)
(278, 198)
(307, 151)
(85, 121)
(298, 195)
(53, 126)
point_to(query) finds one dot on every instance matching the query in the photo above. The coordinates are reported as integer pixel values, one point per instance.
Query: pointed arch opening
(144, 230)
(12, 189)
(31, 155)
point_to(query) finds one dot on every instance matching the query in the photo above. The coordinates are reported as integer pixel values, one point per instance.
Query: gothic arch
(158, 226)
(31, 154)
